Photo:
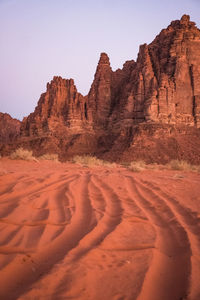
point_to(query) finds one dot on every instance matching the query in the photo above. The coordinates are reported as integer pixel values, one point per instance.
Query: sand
(73, 232)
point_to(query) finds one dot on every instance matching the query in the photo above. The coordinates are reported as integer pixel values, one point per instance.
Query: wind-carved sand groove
(17, 279)
(191, 222)
(173, 248)
(107, 215)
(81, 233)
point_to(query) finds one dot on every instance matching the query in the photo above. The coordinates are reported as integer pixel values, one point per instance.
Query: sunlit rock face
(161, 88)
(175, 61)
(60, 107)
(164, 85)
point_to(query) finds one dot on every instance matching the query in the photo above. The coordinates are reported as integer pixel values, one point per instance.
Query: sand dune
(72, 232)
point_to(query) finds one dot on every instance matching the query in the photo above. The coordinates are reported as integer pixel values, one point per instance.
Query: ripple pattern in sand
(93, 234)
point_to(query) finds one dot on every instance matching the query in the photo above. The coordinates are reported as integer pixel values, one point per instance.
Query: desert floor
(73, 232)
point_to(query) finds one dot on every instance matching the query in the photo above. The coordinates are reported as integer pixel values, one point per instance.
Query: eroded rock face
(60, 108)
(100, 95)
(162, 87)
(108, 93)
(9, 128)
(177, 69)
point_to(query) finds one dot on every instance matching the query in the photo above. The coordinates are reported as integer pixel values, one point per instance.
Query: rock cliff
(9, 128)
(164, 84)
(156, 97)
(61, 107)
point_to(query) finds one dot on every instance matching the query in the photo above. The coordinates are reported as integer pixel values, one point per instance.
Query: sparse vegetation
(48, 156)
(137, 166)
(182, 165)
(140, 165)
(23, 154)
(178, 165)
(91, 161)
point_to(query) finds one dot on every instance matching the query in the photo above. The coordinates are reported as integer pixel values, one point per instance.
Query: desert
(70, 231)
(100, 193)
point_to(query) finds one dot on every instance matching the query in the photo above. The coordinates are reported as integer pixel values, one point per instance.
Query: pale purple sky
(43, 38)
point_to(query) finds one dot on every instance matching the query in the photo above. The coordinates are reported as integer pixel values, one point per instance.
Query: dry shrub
(23, 154)
(140, 165)
(91, 161)
(179, 176)
(181, 165)
(137, 166)
(153, 166)
(48, 156)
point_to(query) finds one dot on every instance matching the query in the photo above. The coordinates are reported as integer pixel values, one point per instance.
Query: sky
(40, 39)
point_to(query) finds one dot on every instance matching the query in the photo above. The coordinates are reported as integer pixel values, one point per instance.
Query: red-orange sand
(72, 232)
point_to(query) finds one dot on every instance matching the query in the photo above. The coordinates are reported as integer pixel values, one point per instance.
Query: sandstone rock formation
(158, 96)
(9, 128)
(164, 84)
(60, 107)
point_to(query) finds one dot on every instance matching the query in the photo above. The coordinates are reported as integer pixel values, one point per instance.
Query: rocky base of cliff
(156, 143)
(153, 143)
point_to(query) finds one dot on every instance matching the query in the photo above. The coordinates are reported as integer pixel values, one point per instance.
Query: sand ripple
(69, 232)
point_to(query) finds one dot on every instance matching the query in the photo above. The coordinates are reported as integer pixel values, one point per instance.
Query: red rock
(175, 58)
(99, 97)
(60, 108)
(130, 111)
(9, 128)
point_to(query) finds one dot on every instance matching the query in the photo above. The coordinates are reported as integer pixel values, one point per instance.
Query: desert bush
(91, 161)
(48, 156)
(137, 166)
(181, 165)
(24, 154)
(196, 168)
